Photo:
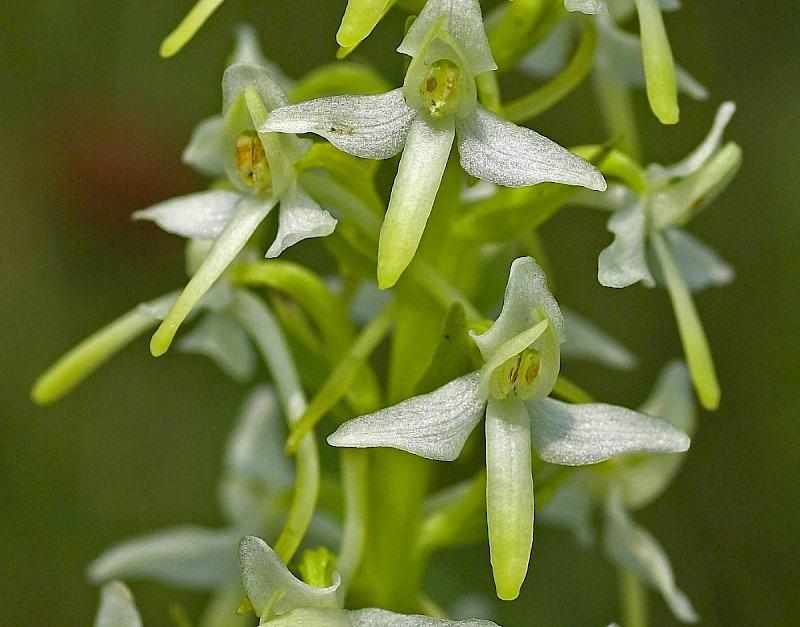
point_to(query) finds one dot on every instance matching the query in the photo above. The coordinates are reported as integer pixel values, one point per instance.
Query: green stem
(633, 598)
(693, 336)
(261, 325)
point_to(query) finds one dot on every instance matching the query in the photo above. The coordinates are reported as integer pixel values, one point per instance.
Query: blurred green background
(93, 122)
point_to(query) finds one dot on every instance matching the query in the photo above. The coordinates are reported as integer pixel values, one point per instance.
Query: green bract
(437, 104)
(650, 243)
(518, 416)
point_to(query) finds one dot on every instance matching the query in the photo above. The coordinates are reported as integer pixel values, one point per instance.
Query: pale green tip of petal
(391, 266)
(162, 338)
(188, 27)
(659, 66)
(360, 17)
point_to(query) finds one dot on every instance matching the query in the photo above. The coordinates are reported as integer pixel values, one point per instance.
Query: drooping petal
(586, 340)
(576, 435)
(373, 127)
(117, 608)
(509, 493)
(204, 152)
(248, 215)
(301, 217)
(700, 265)
(623, 262)
(198, 216)
(434, 425)
(526, 294)
(220, 338)
(374, 617)
(187, 557)
(413, 193)
(463, 21)
(271, 587)
(188, 26)
(659, 66)
(499, 151)
(634, 548)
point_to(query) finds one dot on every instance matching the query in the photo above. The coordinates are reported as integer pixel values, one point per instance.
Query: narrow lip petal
(372, 127)
(197, 216)
(576, 435)
(499, 151)
(264, 574)
(434, 425)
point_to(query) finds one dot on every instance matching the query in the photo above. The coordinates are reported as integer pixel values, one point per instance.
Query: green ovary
(252, 163)
(440, 90)
(516, 376)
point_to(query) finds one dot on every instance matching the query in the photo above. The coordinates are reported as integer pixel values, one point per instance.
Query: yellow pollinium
(516, 376)
(252, 163)
(439, 90)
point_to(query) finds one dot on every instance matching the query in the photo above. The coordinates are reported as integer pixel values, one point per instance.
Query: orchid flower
(649, 243)
(629, 483)
(436, 106)
(522, 359)
(260, 175)
(283, 600)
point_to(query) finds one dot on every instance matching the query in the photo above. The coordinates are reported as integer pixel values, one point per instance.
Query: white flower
(436, 106)
(522, 359)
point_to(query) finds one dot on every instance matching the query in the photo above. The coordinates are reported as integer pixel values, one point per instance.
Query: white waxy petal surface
(204, 152)
(373, 127)
(576, 435)
(117, 608)
(434, 425)
(198, 216)
(590, 7)
(623, 262)
(499, 151)
(301, 217)
(374, 617)
(707, 147)
(701, 266)
(264, 575)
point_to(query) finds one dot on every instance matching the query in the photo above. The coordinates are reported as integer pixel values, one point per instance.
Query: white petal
(117, 608)
(223, 340)
(586, 340)
(575, 435)
(188, 557)
(707, 147)
(373, 127)
(204, 152)
(623, 262)
(464, 22)
(264, 575)
(198, 216)
(496, 150)
(301, 217)
(701, 266)
(240, 75)
(672, 398)
(633, 547)
(374, 617)
(312, 617)
(590, 7)
(434, 425)
(526, 293)
(509, 493)
(571, 507)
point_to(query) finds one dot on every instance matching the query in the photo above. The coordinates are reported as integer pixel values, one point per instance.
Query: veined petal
(509, 493)
(623, 262)
(464, 22)
(590, 7)
(301, 217)
(248, 215)
(374, 617)
(204, 152)
(576, 435)
(413, 193)
(198, 216)
(117, 608)
(188, 557)
(271, 587)
(434, 425)
(525, 298)
(499, 151)
(701, 266)
(634, 548)
(373, 127)
(313, 617)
